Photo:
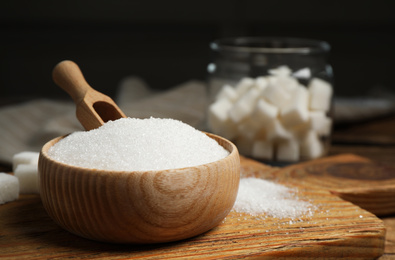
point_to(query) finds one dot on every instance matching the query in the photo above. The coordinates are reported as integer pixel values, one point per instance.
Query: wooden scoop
(93, 107)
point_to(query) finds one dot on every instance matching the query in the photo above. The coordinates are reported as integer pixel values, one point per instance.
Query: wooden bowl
(139, 206)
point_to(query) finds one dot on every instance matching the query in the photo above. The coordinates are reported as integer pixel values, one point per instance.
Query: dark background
(166, 42)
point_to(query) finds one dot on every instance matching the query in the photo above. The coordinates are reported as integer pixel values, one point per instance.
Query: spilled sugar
(131, 144)
(257, 196)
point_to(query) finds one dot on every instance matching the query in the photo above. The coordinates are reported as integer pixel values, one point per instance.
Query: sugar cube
(264, 112)
(276, 131)
(289, 84)
(227, 92)
(244, 106)
(26, 157)
(296, 111)
(304, 73)
(281, 71)
(219, 121)
(320, 94)
(27, 175)
(300, 130)
(311, 146)
(9, 187)
(244, 85)
(261, 83)
(218, 111)
(276, 95)
(320, 123)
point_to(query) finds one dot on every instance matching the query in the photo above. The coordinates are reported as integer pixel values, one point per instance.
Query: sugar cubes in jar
(272, 97)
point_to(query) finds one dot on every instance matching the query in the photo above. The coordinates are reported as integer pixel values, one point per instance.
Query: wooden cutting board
(337, 229)
(357, 179)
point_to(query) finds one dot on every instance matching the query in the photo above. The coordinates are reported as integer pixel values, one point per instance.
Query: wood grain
(382, 154)
(336, 229)
(390, 237)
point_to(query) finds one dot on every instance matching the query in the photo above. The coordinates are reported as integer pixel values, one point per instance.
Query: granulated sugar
(131, 144)
(257, 196)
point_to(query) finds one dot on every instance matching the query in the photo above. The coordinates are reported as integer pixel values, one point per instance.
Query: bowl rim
(44, 153)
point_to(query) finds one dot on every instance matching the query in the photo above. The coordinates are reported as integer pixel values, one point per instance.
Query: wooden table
(374, 139)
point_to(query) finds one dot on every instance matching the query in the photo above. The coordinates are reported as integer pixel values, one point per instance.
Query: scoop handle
(69, 77)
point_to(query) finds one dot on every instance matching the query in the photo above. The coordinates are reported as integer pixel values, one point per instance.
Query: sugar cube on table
(320, 94)
(27, 175)
(287, 151)
(9, 188)
(262, 149)
(26, 157)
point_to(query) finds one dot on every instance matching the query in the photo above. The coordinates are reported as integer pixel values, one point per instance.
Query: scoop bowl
(139, 206)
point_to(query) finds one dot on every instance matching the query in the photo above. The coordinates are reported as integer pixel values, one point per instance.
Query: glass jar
(272, 97)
